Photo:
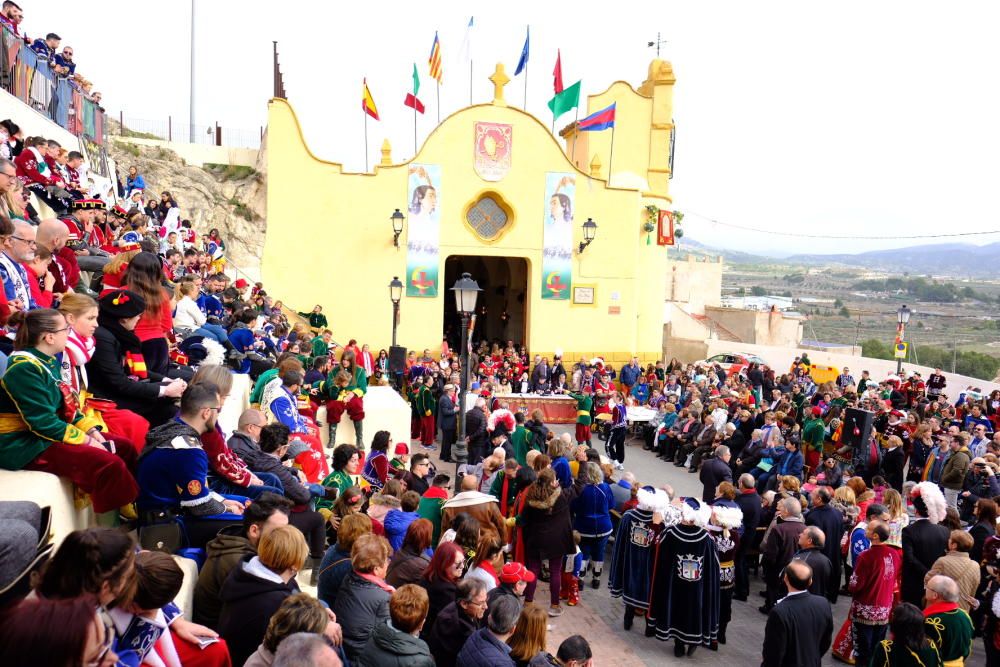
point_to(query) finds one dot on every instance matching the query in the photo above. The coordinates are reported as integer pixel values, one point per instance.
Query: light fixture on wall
(395, 294)
(589, 232)
(397, 226)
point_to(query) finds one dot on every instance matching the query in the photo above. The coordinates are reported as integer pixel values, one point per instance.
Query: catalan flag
(367, 103)
(435, 60)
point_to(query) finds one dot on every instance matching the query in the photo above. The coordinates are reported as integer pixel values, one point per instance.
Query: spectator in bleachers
(19, 247)
(117, 371)
(37, 176)
(173, 470)
(228, 548)
(135, 182)
(11, 16)
(41, 429)
(55, 632)
(46, 48)
(65, 60)
(10, 139)
(144, 276)
(257, 587)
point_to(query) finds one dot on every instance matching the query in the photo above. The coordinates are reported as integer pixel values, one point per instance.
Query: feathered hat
(696, 512)
(728, 518)
(929, 495)
(652, 499)
(501, 418)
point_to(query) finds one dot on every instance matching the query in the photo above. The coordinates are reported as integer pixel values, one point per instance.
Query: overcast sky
(852, 118)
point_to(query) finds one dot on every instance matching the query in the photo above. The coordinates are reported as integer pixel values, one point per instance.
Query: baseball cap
(241, 284)
(513, 572)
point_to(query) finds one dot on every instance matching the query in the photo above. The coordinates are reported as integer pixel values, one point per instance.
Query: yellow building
(491, 192)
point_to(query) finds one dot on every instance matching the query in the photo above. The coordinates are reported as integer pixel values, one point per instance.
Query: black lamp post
(589, 232)
(397, 226)
(902, 317)
(395, 294)
(466, 293)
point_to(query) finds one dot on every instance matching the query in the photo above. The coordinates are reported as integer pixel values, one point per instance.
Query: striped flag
(435, 60)
(367, 102)
(412, 100)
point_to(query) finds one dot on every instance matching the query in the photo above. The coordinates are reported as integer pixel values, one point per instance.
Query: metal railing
(29, 78)
(172, 130)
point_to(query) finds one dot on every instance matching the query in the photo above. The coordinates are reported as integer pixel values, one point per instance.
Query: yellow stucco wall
(329, 238)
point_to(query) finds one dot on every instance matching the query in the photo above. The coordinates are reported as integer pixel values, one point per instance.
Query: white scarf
(43, 166)
(78, 352)
(17, 279)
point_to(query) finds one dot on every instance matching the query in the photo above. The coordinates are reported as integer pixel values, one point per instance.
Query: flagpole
(470, 82)
(611, 153)
(365, 114)
(414, 126)
(576, 134)
(525, 86)
(439, 101)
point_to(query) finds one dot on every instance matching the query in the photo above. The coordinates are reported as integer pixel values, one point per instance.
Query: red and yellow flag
(367, 103)
(435, 60)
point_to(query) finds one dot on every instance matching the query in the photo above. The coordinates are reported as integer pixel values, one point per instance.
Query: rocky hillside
(233, 199)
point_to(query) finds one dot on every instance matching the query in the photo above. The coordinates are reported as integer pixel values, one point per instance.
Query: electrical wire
(835, 236)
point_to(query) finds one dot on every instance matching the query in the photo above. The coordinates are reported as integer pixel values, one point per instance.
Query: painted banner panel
(423, 230)
(557, 240)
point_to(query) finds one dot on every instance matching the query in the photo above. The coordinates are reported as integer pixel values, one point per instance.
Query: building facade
(493, 193)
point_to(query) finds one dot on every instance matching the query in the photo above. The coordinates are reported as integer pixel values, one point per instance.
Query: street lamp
(395, 294)
(466, 292)
(589, 232)
(902, 317)
(397, 226)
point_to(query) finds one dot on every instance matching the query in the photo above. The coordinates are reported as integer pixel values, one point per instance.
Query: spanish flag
(367, 103)
(435, 60)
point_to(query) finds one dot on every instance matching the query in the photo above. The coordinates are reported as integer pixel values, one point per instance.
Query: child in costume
(584, 404)
(572, 571)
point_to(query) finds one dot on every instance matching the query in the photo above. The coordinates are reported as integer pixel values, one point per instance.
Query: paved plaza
(599, 617)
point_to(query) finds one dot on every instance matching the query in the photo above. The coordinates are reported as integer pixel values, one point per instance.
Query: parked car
(734, 363)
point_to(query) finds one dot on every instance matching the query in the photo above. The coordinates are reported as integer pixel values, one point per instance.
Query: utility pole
(191, 92)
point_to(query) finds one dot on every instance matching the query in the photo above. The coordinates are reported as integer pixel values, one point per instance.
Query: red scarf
(940, 608)
(136, 365)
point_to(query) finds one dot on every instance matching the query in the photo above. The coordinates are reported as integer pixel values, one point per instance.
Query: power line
(837, 236)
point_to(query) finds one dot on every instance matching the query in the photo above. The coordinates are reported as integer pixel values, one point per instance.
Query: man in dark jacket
(799, 628)
(475, 431)
(811, 553)
(458, 621)
(779, 546)
(446, 420)
(398, 644)
(829, 520)
(749, 501)
(487, 647)
(229, 547)
(714, 471)
(247, 447)
(924, 541)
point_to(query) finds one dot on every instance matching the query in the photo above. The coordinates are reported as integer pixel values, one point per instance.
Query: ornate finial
(386, 153)
(499, 79)
(595, 167)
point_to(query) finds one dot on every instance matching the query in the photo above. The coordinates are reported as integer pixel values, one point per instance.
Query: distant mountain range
(958, 260)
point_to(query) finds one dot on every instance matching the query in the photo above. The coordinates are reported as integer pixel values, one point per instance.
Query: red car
(734, 363)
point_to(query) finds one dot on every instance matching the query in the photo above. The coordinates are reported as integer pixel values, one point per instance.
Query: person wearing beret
(118, 371)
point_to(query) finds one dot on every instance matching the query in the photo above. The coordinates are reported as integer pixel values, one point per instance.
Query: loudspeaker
(397, 359)
(857, 429)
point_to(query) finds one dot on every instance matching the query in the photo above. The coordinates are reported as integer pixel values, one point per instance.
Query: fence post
(218, 134)
(170, 128)
(121, 123)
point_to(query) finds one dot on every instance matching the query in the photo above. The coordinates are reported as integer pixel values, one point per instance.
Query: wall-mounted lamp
(589, 232)
(397, 226)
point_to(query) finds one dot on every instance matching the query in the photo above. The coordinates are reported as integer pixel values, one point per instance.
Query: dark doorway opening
(501, 311)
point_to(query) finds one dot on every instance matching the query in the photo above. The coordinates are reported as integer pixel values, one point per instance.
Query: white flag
(466, 50)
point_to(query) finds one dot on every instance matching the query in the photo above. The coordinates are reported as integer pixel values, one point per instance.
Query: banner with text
(423, 230)
(557, 240)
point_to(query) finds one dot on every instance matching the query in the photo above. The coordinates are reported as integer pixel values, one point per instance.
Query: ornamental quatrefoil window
(488, 217)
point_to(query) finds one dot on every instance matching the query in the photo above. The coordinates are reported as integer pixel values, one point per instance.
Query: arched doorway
(501, 312)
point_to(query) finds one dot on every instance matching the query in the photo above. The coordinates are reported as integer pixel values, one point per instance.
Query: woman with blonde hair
(257, 587)
(528, 640)
(898, 518)
(114, 270)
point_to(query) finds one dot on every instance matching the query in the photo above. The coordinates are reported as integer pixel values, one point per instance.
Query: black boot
(629, 617)
(678, 648)
(359, 438)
